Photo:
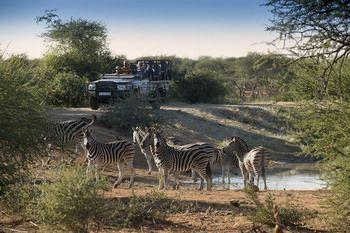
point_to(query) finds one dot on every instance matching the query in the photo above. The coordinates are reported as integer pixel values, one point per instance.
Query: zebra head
(159, 139)
(88, 137)
(237, 147)
(147, 137)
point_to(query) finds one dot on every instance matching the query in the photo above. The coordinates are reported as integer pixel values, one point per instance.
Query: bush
(199, 88)
(131, 112)
(289, 214)
(323, 132)
(74, 202)
(22, 121)
(19, 199)
(67, 89)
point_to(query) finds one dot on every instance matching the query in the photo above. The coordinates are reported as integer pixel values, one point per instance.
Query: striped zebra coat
(63, 133)
(119, 152)
(176, 159)
(139, 135)
(236, 149)
(251, 163)
(255, 164)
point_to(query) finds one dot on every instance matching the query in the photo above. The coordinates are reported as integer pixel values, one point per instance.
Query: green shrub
(323, 131)
(67, 89)
(199, 88)
(290, 215)
(19, 199)
(130, 112)
(22, 121)
(73, 202)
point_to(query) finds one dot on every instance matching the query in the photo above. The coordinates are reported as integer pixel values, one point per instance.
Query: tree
(314, 29)
(78, 45)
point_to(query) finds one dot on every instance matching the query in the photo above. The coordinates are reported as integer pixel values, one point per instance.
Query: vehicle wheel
(93, 103)
(156, 104)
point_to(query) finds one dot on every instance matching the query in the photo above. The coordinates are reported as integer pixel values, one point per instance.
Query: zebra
(227, 161)
(251, 163)
(137, 136)
(64, 132)
(236, 149)
(181, 158)
(255, 164)
(119, 152)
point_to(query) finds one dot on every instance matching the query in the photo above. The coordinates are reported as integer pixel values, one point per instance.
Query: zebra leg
(149, 162)
(228, 171)
(51, 154)
(207, 180)
(264, 177)
(97, 170)
(166, 180)
(177, 183)
(161, 179)
(132, 174)
(243, 173)
(121, 173)
(194, 176)
(223, 174)
(88, 168)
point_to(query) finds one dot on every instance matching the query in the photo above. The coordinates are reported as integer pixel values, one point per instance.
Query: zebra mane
(240, 142)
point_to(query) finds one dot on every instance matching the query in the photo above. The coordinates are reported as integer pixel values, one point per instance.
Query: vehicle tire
(156, 104)
(93, 103)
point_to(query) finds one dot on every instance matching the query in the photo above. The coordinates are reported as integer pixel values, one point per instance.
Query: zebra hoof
(149, 172)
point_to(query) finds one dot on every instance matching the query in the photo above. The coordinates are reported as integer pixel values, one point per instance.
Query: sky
(185, 28)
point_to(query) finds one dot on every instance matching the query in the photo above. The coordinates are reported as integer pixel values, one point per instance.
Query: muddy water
(288, 177)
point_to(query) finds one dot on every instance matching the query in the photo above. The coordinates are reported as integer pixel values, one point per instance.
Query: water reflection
(289, 177)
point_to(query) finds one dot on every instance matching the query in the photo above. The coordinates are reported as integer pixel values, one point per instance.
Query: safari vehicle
(148, 78)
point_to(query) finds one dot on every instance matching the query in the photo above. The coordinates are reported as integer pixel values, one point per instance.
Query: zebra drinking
(181, 158)
(120, 152)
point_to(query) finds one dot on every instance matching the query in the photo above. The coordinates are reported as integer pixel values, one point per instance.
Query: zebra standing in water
(228, 161)
(120, 152)
(255, 163)
(64, 132)
(181, 158)
(251, 163)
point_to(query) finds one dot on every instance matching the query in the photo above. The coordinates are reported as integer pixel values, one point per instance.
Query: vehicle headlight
(92, 87)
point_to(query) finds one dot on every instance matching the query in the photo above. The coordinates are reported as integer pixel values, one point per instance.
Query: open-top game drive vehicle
(148, 78)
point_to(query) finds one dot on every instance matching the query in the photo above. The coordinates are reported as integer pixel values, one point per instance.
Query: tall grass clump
(131, 112)
(263, 213)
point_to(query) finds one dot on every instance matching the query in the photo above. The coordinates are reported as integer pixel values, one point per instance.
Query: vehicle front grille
(106, 87)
